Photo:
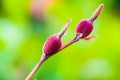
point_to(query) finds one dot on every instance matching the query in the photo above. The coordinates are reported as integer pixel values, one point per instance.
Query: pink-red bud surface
(52, 44)
(85, 27)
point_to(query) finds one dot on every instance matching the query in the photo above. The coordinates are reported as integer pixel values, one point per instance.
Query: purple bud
(84, 27)
(52, 44)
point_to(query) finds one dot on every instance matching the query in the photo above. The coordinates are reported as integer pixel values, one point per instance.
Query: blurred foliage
(26, 24)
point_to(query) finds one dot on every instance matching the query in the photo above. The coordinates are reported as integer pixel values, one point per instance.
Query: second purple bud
(84, 27)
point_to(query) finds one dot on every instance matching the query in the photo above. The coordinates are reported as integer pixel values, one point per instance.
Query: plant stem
(78, 36)
(35, 69)
(61, 33)
(97, 12)
(66, 45)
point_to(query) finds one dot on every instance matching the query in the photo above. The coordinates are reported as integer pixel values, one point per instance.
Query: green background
(26, 24)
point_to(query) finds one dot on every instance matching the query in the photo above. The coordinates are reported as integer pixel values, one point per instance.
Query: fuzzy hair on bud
(52, 44)
(84, 27)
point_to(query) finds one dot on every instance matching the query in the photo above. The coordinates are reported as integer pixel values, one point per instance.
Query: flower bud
(84, 27)
(52, 44)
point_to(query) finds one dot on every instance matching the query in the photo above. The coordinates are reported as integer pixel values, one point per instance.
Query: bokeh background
(26, 24)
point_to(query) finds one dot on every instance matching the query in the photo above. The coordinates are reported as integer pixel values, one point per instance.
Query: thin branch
(61, 33)
(35, 69)
(78, 36)
(97, 12)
